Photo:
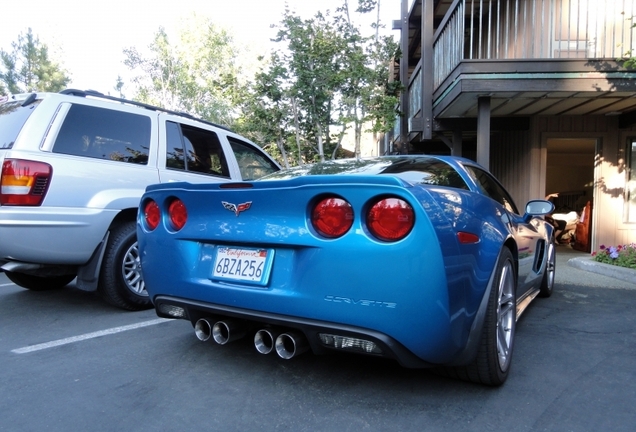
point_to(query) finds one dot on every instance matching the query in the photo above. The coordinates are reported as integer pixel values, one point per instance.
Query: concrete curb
(616, 272)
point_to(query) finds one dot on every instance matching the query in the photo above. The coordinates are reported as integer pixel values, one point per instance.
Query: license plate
(243, 265)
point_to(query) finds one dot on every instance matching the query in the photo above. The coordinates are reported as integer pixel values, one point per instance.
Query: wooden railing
(532, 29)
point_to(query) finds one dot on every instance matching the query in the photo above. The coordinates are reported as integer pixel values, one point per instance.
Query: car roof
(30, 97)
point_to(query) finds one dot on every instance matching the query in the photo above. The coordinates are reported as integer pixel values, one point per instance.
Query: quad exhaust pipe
(265, 340)
(287, 345)
(203, 329)
(290, 345)
(221, 332)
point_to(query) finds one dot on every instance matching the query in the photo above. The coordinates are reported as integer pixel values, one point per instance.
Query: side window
(174, 146)
(195, 150)
(104, 134)
(252, 163)
(492, 188)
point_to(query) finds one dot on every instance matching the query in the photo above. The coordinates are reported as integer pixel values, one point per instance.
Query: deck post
(483, 131)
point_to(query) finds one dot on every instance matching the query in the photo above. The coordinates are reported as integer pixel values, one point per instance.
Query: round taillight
(332, 217)
(152, 215)
(178, 214)
(390, 219)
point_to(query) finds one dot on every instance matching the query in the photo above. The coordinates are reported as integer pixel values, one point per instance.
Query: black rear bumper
(255, 320)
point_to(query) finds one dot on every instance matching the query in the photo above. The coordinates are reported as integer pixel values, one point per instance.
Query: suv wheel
(39, 283)
(120, 280)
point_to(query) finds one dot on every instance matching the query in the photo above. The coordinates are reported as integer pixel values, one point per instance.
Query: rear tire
(547, 283)
(39, 283)
(120, 280)
(492, 364)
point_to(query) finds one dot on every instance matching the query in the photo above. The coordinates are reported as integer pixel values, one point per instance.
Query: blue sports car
(421, 259)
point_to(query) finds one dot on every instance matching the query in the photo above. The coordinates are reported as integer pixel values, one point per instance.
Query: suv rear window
(104, 134)
(12, 117)
(195, 150)
(252, 163)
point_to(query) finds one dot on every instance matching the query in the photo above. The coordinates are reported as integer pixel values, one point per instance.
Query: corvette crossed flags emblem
(236, 208)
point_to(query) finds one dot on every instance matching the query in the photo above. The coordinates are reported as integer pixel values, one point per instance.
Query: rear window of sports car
(427, 171)
(416, 170)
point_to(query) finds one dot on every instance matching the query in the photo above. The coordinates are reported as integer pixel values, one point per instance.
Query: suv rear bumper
(52, 235)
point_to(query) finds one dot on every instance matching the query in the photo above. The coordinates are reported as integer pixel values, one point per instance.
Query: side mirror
(538, 208)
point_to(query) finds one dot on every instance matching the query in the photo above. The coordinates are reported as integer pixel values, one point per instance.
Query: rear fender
(88, 274)
(467, 355)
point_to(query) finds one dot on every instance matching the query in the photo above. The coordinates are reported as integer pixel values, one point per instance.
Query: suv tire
(39, 283)
(120, 280)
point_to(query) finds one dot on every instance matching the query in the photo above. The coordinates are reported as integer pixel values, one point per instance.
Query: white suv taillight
(23, 182)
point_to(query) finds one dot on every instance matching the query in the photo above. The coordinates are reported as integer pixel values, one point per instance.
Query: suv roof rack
(94, 93)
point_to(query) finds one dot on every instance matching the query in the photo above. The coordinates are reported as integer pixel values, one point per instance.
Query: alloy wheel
(506, 315)
(131, 271)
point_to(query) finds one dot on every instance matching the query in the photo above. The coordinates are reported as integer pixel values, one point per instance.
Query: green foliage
(621, 255)
(28, 67)
(326, 80)
(265, 116)
(628, 61)
(197, 75)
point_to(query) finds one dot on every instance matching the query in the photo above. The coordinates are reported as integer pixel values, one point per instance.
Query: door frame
(598, 156)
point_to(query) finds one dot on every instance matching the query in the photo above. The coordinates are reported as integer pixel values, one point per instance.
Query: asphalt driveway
(574, 369)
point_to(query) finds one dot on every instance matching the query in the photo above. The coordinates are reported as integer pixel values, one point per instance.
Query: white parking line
(73, 339)
(1, 285)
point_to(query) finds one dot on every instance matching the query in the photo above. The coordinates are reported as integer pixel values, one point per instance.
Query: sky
(87, 37)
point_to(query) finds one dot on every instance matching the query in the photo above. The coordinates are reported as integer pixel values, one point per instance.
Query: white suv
(74, 167)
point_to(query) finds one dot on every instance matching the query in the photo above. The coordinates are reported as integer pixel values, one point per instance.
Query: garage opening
(570, 175)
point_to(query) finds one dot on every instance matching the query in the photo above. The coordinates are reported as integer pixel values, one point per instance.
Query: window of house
(195, 150)
(104, 134)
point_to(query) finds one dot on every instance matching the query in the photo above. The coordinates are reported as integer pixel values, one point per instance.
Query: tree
(368, 98)
(315, 59)
(267, 111)
(197, 75)
(326, 79)
(628, 60)
(119, 86)
(28, 67)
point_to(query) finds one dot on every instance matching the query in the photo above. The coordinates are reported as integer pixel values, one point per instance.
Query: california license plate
(243, 265)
